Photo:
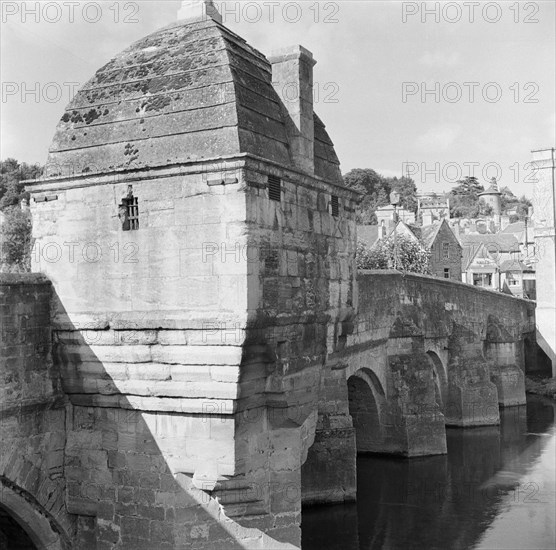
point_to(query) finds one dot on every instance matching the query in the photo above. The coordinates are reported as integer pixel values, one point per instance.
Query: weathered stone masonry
(207, 350)
(32, 415)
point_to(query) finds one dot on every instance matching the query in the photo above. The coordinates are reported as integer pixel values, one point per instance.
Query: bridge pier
(472, 397)
(510, 384)
(505, 354)
(329, 474)
(414, 423)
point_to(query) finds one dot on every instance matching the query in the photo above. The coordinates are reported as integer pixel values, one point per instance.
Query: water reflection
(494, 489)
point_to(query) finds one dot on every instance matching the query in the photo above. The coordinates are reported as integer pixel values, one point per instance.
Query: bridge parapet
(481, 332)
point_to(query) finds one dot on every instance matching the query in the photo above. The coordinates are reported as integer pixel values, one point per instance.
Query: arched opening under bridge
(365, 395)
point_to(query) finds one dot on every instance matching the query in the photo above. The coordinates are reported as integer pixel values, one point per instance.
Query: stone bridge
(88, 460)
(200, 356)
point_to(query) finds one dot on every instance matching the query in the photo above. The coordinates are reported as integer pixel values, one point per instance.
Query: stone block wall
(32, 414)
(208, 325)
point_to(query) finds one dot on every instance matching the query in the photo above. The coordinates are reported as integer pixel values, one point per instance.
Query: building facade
(204, 249)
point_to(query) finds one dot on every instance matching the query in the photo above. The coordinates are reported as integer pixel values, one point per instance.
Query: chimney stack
(198, 10)
(292, 78)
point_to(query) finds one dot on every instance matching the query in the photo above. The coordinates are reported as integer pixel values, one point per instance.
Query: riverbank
(541, 386)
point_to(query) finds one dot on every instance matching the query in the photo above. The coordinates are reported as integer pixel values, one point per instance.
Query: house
(478, 267)
(524, 233)
(386, 214)
(484, 256)
(518, 279)
(432, 207)
(438, 239)
(445, 249)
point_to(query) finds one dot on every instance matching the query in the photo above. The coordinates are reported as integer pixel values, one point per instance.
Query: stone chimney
(292, 78)
(427, 218)
(198, 10)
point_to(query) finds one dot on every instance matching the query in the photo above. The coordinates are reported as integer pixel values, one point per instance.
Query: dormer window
(128, 211)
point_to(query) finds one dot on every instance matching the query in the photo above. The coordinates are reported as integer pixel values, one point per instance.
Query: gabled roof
(430, 232)
(514, 266)
(514, 228)
(504, 242)
(473, 251)
(468, 253)
(368, 234)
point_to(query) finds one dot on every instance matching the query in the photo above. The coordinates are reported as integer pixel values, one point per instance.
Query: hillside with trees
(376, 190)
(465, 201)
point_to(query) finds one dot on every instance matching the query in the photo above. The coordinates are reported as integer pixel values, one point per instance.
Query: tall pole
(395, 237)
(394, 201)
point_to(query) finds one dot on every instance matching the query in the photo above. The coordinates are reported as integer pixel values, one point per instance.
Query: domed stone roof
(190, 91)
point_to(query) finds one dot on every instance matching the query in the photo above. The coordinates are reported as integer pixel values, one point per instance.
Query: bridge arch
(34, 521)
(367, 400)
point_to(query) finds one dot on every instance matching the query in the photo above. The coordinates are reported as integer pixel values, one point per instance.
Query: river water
(495, 489)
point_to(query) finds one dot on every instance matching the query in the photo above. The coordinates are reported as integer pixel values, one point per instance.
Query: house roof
(468, 253)
(492, 190)
(514, 265)
(471, 252)
(429, 233)
(514, 228)
(189, 91)
(503, 242)
(367, 234)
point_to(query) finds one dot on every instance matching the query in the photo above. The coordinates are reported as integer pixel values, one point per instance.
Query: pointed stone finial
(199, 10)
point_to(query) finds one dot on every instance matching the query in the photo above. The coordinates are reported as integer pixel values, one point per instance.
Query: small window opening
(274, 188)
(335, 206)
(446, 251)
(129, 211)
(446, 272)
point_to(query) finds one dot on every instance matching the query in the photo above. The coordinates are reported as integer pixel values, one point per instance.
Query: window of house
(129, 211)
(446, 272)
(482, 279)
(511, 280)
(274, 188)
(446, 251)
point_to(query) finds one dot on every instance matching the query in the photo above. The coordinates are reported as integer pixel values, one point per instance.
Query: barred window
(129, 211)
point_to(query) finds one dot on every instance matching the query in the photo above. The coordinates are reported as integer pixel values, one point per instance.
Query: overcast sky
(489, 70)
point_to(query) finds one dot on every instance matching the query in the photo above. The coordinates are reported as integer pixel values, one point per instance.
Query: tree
(15, 240)
(408, 192)
(510, 202)
(376, 192)
(464, 198)
(15, 232)
(411, 255)
(12, 173)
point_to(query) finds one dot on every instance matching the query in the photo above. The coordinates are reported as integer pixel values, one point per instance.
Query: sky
(436, 90)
